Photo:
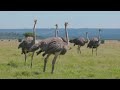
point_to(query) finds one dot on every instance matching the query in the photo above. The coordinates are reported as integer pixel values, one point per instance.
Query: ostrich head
(56, 26)
(66, 23)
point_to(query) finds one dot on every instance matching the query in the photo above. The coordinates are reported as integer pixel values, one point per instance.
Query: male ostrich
(54, 46)
(80, 41)
(27, 43)
(94, 43)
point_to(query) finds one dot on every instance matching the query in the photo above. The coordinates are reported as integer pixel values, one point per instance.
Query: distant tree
(19, 40)
(28, 34)
(102, 41)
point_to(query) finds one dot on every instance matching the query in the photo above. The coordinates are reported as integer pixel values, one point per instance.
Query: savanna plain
(106, 65)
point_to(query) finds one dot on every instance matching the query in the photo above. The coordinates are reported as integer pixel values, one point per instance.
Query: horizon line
(69, 28)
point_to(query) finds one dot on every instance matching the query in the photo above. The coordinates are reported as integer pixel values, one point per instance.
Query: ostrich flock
(55, 45)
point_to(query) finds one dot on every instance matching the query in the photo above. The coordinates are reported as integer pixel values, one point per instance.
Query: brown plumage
(80, 42)
(56, 46)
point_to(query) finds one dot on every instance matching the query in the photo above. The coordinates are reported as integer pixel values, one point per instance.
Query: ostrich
(27, 43)
(56, 30)
(55, 46)
(80, 41)
(94, 43)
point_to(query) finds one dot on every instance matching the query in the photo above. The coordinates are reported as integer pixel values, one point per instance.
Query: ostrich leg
(96, 51)
(38, 52)
(54, 60)
(25, 56)
(32, 58)
(92, 50)
(79, 51)
(45, 62)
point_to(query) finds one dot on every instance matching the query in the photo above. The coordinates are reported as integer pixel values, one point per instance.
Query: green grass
(70, 66)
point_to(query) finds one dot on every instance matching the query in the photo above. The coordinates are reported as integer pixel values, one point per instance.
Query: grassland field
(106, 65)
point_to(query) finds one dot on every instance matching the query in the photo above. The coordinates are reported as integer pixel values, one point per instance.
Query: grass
(70, 66)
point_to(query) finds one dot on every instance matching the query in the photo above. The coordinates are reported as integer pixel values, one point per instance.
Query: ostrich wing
(54, 46)
(34, 47)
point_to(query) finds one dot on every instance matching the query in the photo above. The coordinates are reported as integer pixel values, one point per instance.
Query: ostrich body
(94, 43)
(56, 46)
(80, 41)
(27, 43)
(43, 43)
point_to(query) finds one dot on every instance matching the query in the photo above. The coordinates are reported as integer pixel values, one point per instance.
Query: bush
(19, 40)
(28, 34)
(102, 41)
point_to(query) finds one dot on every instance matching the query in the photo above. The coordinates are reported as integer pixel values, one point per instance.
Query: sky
(48, 19)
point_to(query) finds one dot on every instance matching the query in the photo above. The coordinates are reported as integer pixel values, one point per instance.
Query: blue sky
(47, 19)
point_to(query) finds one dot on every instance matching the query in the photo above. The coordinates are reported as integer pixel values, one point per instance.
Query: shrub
(28, 34)
(102, 41)
(19, 40)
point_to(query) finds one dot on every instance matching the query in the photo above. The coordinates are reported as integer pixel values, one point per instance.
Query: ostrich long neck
(87, 37)
(99, 35)
(34, 34)
(66, 33)
(56, 34)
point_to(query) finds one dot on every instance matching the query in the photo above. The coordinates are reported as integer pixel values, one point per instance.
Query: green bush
(19, 40)
(102, 41)
(28, 34)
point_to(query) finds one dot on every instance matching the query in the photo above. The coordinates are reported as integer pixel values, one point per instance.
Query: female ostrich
(94, 43)
(80, 42)
(28, 43)
(54, 46)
